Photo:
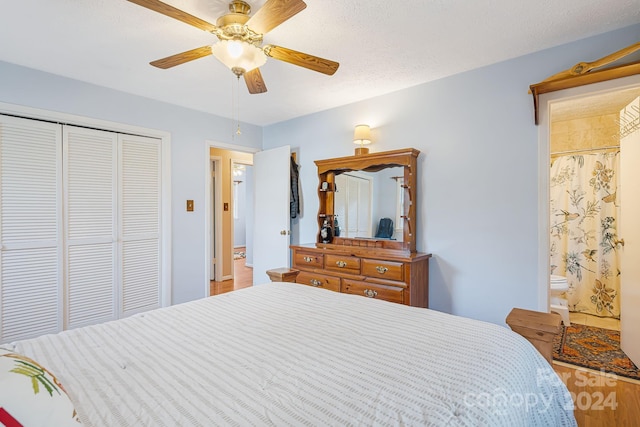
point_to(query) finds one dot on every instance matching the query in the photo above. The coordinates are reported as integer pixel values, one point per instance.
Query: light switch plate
(189, 205)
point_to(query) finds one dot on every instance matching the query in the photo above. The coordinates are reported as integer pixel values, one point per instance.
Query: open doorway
(243, 215)
(583, 221)
(585, 206)
(229, 214)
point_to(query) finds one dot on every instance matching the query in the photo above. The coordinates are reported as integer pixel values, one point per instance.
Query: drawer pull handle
(381, 269)
(307, 259)
(315, 282)
(369, 293)
(341, 264)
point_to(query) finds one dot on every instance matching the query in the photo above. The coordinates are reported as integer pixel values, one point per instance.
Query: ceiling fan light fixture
(249, 56)
(234, 48)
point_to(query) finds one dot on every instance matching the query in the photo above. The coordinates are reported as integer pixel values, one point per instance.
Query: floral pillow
(30, 396)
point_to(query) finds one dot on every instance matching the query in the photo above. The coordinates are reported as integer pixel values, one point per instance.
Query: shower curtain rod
(584, 150)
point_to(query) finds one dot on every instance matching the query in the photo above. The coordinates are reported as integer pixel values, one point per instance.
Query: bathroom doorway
(586, 220)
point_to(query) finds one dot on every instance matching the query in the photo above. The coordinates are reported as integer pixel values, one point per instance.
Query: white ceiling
(382, 46)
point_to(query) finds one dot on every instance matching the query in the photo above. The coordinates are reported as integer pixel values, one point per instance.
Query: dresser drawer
(308, 259)
(319, 280)
(382, 269)
(372, 290)
(342, 263)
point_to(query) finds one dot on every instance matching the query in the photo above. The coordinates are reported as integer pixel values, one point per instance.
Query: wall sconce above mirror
(362, 136)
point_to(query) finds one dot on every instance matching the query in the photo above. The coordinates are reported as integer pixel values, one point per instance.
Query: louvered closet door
(140, 221)
(90, 180)
(30, 297)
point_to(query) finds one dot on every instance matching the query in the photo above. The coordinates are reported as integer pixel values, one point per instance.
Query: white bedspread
(285, 354)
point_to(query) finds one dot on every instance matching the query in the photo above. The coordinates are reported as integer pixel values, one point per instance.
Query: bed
(285, 354)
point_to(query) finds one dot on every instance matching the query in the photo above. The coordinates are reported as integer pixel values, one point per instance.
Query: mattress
(284, 354)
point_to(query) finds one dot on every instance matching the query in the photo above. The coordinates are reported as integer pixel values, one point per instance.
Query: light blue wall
(478, 171)
(189, 130)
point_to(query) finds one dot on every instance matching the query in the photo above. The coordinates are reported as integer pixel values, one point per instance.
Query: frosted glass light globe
(234, 48)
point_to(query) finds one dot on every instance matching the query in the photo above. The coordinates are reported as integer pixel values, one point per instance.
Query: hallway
(242, 277)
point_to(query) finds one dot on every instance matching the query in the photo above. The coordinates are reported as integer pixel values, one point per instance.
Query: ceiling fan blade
(305, 60)
(254, 81)
(181, 58)
(274, 13)
(175, 13)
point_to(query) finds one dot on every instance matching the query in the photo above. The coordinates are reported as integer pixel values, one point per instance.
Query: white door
(112, 225)
(364, 208)
(359, 206)
(140, 238)
(89, 176)
(271, 170)
(629, 230)
(30, 228)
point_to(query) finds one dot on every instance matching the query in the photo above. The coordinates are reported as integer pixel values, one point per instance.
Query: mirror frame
(329, 168)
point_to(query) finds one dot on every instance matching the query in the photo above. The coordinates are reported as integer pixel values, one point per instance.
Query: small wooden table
(283, 274)
(537, 327)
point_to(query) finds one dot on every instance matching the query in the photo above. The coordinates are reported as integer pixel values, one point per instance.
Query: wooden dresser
(355, 261)
(396, 276)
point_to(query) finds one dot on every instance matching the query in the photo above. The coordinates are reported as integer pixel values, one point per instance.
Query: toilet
(560, 305)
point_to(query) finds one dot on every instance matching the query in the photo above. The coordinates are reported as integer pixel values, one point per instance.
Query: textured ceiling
(382, 46)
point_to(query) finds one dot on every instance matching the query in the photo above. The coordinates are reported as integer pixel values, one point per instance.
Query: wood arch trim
(584, 73)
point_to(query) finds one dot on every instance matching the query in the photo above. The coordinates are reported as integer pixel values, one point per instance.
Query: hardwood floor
(242, 278)
(601, 401)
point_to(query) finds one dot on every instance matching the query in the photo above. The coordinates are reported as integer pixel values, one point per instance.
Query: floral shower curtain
(584, 218)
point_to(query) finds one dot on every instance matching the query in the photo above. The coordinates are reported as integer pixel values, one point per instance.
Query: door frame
(544, 153)
(214, 203)
(208, 145)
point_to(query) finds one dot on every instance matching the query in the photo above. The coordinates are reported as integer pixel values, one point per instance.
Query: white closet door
(364, 208)
(352, 206)
(30, 228)
(140, 222)
(357, 216)
(90, 179)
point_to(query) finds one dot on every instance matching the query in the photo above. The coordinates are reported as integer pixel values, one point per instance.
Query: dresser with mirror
(369, 203)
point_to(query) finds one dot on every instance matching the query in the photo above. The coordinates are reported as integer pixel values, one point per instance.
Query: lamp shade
(362, 135)
(239, 54)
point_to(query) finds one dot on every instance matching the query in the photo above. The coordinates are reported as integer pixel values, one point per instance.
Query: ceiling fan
(240, 39)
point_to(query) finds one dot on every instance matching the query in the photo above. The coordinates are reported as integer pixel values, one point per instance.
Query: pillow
(30, 396)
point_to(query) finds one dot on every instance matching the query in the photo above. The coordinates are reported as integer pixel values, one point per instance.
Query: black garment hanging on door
(295, 190)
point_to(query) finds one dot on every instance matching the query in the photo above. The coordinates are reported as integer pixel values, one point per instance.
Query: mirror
(358, 191)
(362, 199)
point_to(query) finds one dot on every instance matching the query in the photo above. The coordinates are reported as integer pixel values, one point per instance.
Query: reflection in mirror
(363, 199)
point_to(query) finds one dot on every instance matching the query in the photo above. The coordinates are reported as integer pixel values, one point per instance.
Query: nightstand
(537, 327)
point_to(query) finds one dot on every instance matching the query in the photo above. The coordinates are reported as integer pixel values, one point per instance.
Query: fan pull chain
(235, 109)
(238, 131)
